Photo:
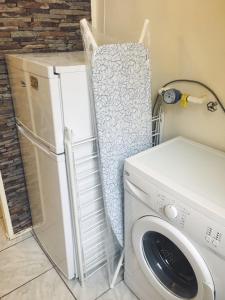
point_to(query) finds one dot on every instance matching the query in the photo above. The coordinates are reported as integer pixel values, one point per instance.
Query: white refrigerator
(50, 93)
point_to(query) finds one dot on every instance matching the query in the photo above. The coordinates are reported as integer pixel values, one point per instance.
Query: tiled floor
(26, 274)
(120, 292)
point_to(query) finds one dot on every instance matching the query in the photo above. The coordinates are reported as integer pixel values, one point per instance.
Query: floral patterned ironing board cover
(122, 103)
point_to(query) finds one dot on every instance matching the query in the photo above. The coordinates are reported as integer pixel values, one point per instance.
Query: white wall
(187, 41)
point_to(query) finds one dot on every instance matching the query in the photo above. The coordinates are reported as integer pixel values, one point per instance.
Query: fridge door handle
(38, 145)
(23, 83)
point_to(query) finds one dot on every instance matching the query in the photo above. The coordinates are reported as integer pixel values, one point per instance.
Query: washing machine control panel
(202, 226)
(195, 224)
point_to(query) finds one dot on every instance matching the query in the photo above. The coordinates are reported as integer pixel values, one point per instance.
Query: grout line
(131, 290)
(60, 275)
(101, 295)
(53, 264)
(109, 289)
(16, 244)
(105, 293)
(26, 282)
(42, 248)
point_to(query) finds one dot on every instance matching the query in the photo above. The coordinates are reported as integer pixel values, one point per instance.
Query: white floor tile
(5, 243)
(21, 263)
(48, 286)
(120, 292)
(95, 286)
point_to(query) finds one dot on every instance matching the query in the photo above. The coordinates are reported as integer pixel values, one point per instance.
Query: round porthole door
(170, 262)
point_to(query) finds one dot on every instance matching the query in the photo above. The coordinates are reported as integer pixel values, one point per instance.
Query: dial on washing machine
(170, 211)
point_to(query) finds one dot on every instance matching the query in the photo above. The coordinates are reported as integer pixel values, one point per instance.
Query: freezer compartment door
(48, 195)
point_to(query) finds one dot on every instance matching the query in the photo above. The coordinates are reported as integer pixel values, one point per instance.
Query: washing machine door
(170, 261)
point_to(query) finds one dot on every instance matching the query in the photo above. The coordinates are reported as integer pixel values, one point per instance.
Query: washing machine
(175, 222)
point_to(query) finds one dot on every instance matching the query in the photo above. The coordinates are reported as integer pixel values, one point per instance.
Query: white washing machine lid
(191, 169)
(160, 248)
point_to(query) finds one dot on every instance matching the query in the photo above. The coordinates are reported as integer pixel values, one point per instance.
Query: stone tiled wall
(29, 26)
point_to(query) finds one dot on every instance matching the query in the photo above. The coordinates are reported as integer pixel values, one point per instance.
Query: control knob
(170, 211)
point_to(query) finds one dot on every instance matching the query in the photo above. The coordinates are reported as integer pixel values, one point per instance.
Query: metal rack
(87, 205)
(157, 128)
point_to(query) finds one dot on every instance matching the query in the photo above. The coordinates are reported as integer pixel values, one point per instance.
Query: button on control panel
(170, 211)
(168, 207)
(213, 237)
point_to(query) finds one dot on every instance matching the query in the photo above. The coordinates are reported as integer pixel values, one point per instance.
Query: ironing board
(121, 90)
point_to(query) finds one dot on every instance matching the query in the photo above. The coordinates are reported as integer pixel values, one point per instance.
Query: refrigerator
(50, 93)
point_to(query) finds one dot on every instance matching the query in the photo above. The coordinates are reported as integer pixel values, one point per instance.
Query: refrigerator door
(38, 106)
(50, 208)
(20, 94)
